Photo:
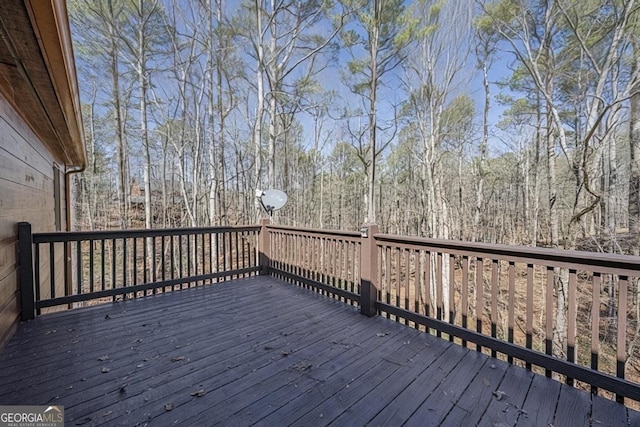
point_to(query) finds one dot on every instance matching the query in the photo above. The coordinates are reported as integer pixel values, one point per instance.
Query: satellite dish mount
(272, 200)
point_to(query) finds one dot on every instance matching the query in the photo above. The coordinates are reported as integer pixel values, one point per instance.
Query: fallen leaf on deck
(199, 393)
(168, 406)
(107, 317)
(103, 358)
(177, 359)
(105, 370)
(382, 334)
(302, 366)
(107, 413)
(499, 394)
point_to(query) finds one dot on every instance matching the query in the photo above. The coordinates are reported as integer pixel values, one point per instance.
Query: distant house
(41, 139)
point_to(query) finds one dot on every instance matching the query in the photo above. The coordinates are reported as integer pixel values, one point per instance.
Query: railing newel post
(25, 256)
(368, 270)
(264, 254)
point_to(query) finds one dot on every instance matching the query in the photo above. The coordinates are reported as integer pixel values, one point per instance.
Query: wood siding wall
(26, 194)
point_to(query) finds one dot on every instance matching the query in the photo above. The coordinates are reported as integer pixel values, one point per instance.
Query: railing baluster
(428, 302)
(439, 290)
(313, 266)
(52, 270)
(154, 265)
(479, 296)
(135, 265)
(346, 271)
(398, 278)
(387, 275)
(224, 253)
(189, 261)
(37, 276)
(494, 301)
(210, 270)
(113, 264)
(417, 282)
(218, 256)
(203, 256)
(237, 252)
(571, 323)
(67, 279)
(172, 263)
(163, 259)
(529, 314)
(124, 265)
(621, 344)
(80, 268)
(102, 266)
(549, 315)
(511, 305)
(145, 267)
(407, 282)
(465, 294)
(452, 291)
(595, 325)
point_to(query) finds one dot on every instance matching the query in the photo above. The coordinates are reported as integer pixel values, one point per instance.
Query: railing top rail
(71, 236)
(351, 235)
(575, 260)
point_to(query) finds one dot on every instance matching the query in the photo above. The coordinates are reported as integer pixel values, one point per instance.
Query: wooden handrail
(72, 267)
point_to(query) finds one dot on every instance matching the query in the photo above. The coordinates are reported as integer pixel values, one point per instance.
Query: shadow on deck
(261, 351)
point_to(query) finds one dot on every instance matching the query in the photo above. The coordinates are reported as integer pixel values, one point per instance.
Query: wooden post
(368, 270)
(27, 294)
(264, 247)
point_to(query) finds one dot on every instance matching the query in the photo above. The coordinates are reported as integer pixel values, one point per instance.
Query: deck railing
(326, 260)
(77, 268)
(573, 315)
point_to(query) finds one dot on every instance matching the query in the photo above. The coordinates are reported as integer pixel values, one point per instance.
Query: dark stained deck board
(90, 368)
(265, 397)
(473, 401)
(541, 403)
(327, 377)
(339, 373)
(604, 414)
(222, 384)
(388, 390)
(508, 399)
(346, 393)
(270, 353)
(445, 396)
(418, 390)
(573, 406)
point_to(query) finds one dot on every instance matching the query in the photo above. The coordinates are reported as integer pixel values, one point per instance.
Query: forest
(506, 121)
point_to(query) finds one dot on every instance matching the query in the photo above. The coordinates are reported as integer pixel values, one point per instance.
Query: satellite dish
(272, 200)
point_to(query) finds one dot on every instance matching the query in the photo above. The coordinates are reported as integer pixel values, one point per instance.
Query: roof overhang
(38, 75)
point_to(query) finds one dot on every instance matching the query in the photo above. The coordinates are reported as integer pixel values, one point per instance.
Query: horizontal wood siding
(26, 194)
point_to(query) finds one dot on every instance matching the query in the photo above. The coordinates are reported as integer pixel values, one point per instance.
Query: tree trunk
(634, 170)
(121, 144)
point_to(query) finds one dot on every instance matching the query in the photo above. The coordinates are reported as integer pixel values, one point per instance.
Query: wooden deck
(260, 351)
